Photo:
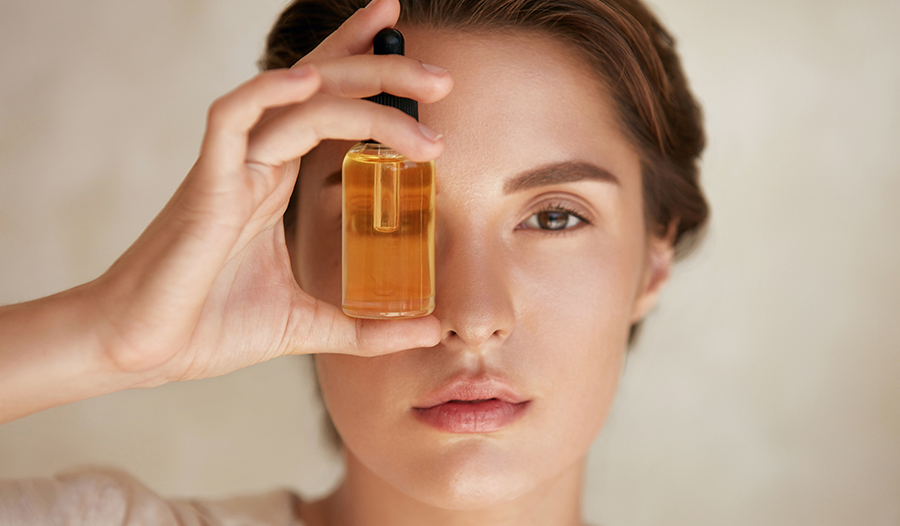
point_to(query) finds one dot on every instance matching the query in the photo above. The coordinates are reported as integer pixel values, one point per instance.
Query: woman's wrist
(52, 352)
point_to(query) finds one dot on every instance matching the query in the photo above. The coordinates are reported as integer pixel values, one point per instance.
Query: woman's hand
(208, 287)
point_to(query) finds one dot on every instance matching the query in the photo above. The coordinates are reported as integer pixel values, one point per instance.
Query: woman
(566, 149)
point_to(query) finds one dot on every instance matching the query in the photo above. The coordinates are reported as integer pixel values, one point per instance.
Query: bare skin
(549, 310)
(213, 286)
(208, 288)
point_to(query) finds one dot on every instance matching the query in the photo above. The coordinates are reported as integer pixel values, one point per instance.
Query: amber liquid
(388, 234)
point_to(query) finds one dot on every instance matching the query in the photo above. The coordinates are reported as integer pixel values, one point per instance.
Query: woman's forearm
(51, 354)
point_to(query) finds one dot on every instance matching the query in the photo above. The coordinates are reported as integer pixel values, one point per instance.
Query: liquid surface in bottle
(388, 234)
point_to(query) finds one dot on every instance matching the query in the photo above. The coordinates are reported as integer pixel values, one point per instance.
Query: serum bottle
(387, 242)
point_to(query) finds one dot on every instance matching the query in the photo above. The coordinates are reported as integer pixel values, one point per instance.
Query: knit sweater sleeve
(110, 497)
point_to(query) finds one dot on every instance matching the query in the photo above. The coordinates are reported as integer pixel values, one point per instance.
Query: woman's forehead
(520, 100)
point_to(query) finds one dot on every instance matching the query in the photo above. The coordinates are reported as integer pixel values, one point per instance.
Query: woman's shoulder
(108, 496)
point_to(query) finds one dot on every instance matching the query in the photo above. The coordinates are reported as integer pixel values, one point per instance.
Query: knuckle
(390, 119)
(219, 111)
(227, 105)
(370, 125)
(214, 113)
(357, 337)
(397, 61)
(314, 114)
(267, 77)
(333, 87)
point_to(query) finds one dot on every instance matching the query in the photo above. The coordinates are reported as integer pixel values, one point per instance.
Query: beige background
(764, 390)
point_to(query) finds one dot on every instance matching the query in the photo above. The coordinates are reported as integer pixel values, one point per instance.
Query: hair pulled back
(632, 55)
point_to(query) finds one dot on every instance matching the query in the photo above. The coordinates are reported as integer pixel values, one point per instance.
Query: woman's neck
(364, 499)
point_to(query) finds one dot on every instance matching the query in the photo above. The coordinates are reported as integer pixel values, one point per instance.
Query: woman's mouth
(472, 405)
(471, 416)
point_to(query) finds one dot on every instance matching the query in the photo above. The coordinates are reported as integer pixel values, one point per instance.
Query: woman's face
(547, 310)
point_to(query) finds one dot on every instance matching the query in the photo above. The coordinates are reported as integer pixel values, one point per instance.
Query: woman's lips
(469, 404)
(481, 416)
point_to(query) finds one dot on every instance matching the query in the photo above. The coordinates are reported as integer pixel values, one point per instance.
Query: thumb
(329, 330)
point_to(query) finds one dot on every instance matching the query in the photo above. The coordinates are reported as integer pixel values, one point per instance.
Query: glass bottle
(387, 242)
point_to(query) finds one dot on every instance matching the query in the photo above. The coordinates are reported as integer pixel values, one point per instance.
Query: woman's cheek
(575, 311)
(319, 248)
(350, 392)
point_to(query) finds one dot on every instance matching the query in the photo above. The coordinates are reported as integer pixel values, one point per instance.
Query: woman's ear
(657, 263)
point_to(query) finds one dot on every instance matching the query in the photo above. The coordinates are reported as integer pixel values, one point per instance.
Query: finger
(298, 129)
(233, 115)
(328, 330)
(356, 34)
(360, 76)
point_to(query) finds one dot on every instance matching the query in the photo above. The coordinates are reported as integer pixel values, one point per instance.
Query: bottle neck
(373, 147)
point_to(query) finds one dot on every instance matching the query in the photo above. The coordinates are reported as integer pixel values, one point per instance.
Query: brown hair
(632, 53)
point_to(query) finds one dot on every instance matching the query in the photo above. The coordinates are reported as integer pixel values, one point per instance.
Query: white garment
(95, 496)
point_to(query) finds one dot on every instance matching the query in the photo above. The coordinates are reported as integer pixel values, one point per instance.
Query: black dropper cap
(389, 41)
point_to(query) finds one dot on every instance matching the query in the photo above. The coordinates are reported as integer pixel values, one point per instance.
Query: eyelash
(557, 207)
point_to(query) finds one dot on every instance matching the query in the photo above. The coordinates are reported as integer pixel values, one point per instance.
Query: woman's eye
(552, 220)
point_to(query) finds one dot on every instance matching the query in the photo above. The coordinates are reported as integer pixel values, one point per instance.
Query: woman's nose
(472, 296)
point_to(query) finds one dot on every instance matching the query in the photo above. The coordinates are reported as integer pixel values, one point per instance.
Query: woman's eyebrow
(548, 174)
(558, 173)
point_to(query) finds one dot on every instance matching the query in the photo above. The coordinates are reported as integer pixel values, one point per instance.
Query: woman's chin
(468, 475)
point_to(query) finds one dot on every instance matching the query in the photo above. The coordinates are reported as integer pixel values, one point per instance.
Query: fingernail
(370, 4)
(437, 70)
(430, 134)
(301, 71)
